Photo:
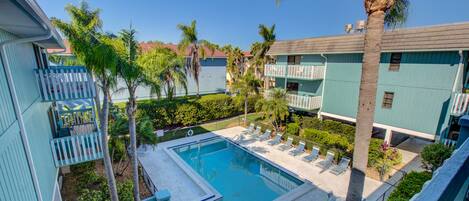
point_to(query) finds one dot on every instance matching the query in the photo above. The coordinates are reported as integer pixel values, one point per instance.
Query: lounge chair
(257, 132)
(313, 156)
(266, 135)
(343, 165)
(249, 130)
(326, 163)
(299, 149)
(276, 140)
(287, 145)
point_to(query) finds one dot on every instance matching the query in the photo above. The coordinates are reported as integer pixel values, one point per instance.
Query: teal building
(421, 78)
(46, 113)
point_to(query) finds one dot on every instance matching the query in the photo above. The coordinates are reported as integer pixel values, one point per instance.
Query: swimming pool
(237, 174)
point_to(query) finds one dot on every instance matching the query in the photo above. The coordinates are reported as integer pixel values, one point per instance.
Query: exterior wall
(212, 79)
(15, 176)
(422, 89)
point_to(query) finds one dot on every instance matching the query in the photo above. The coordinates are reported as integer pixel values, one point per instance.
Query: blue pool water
(235, 173)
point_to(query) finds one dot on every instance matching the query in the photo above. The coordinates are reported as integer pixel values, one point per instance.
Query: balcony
(77, 149)
(304, 102)
(306, 72)
(460, 103)
(65, 83)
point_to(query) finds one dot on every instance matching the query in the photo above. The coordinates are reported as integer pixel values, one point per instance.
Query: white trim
(323, 83)
(383, 126)
(361, 51)
(458, 78)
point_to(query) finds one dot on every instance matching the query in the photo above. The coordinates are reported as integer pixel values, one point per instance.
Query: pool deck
(166, 171)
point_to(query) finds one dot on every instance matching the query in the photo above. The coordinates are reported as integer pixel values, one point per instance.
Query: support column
(388, 136)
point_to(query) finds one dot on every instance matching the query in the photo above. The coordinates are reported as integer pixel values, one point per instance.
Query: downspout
(323, 84)
(16, 105)
(458, 81)
(455, 89)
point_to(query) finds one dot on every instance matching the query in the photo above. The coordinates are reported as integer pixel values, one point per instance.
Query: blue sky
(235, 22)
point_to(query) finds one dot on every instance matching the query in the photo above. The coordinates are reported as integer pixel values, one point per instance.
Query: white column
(388, 136)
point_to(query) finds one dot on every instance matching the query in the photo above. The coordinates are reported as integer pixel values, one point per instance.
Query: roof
(146, 46)
(433, 38)
(24, 18)
(61, 51)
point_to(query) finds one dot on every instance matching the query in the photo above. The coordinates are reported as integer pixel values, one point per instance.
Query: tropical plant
(434, 155)
(196, 48)
(234, 62)
(274, 108)
(259, 49)
(166, 67)
(244, 87)
(91, 48)
(410, 185)
(379, 13)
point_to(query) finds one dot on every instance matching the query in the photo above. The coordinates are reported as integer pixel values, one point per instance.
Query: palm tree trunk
(103, 117)
(131, 109)
(366, 104)
(245, 110)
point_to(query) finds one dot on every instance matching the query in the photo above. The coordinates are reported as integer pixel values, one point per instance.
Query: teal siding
(22, 62)
(422, 89)
(306, 87)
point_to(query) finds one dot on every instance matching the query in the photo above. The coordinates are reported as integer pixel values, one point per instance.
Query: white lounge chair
(257, 132)
(342, 167)
(249, 129)
(326, 163)
(276, 140)
(299, 149)
(313, 156)
(266, 135)
(287, 145)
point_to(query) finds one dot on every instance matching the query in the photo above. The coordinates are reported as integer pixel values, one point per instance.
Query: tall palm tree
(234, 62)
(259, 49)
(167, 68)
(244, 87)
(274, 108)
(380, 13)
(197, 49)
(91, 48)
(134, 76)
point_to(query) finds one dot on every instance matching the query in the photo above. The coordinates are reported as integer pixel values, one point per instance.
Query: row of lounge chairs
(327, 163)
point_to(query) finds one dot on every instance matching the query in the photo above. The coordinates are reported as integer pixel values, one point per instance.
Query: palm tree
(197, 49)
(259, 49)
(91, 48)
(244, 87)
(380, 13)
(165, 66)
(134, 76)
(234, 62)
(274, 108)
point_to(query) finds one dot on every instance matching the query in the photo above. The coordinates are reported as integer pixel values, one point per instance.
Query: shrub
(311, 122)
(434, 155)
(326, 139)
(216, 106)
(330, 126)
(374, 153)
(91, 195)
(410, 185)
(125, 190)
(293, 129)
(187, 114)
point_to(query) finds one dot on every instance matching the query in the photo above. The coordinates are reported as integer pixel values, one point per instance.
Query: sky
(236, 22)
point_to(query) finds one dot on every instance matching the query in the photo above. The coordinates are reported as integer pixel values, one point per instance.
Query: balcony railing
(308, 72)
(65, 83)
(460, 103)
(77, 149)
(304, 102)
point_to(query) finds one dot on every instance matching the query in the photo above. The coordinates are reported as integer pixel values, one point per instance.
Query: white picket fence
(77, 149)
(65, 83)
(460, 103)
(306, 72)
(304, 102)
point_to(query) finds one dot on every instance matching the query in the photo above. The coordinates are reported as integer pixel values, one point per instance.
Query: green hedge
(326, 140)
(185, 111)
(330, 126)
(410, 185)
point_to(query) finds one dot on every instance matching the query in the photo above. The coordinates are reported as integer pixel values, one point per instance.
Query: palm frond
(397, 14)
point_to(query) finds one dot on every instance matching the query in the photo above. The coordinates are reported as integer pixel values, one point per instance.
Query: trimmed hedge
(409, 186)
(330, 126)
(185, 111)
(326, 140)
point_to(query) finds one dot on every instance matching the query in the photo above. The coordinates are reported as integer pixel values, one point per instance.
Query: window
(41, 57)
(387, 99)
(292, 87)
(294, 60)
(395, 62)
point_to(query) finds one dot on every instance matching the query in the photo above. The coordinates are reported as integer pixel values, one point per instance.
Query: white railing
(275, 176)
(306, 72)
(77, 149)
(448, 142)
(304, 102)
(460, 104)
(65, 83)
(275, 70)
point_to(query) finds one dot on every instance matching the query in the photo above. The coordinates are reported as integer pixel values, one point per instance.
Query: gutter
(16, 105)
(459, 73)
(323, 84)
